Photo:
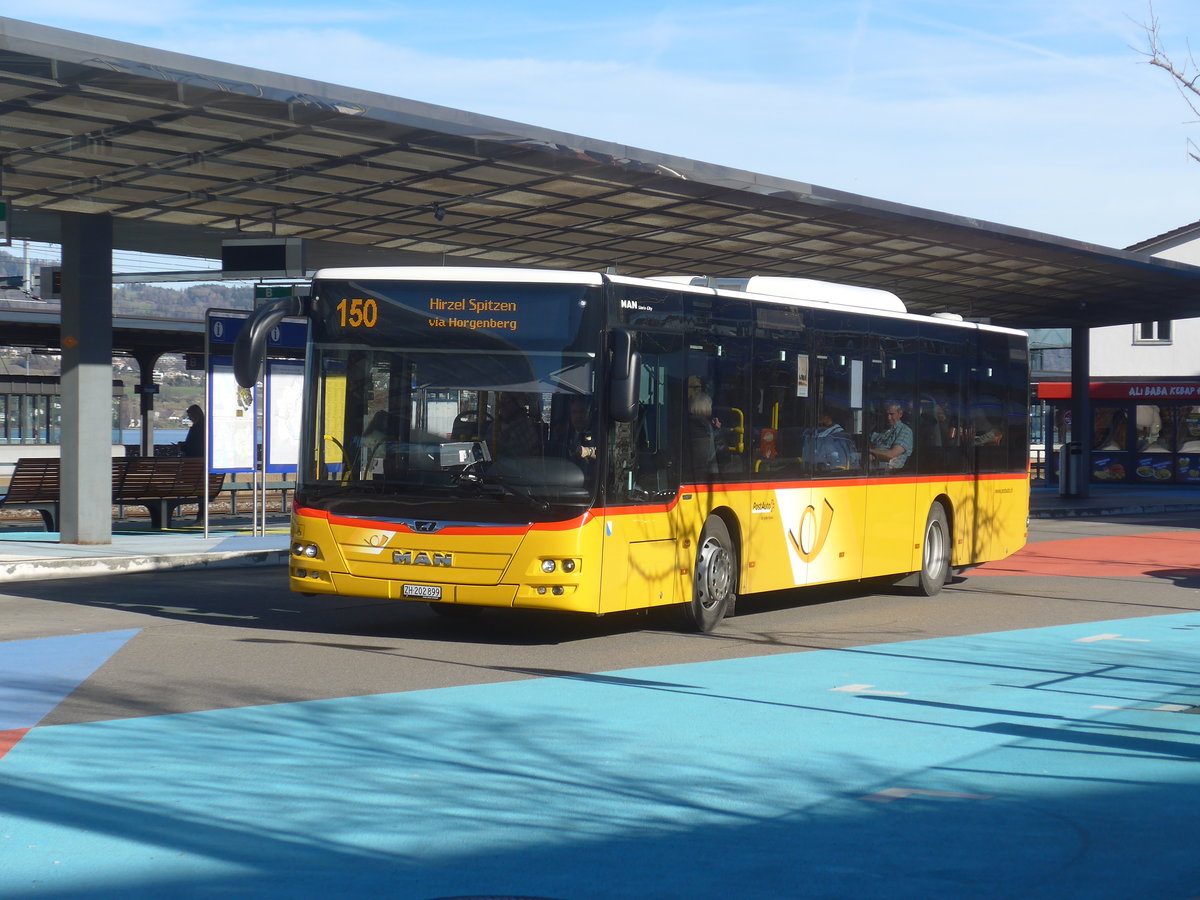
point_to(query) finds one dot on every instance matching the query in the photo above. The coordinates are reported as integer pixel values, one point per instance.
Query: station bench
(160, 484)
(35, 485)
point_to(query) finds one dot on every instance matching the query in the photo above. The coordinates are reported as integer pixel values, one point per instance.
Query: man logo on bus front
(421, 558)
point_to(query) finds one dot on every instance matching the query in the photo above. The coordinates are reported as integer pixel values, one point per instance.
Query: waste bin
(1070, 469)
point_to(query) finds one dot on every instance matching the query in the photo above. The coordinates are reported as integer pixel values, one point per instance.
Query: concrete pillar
(147, 360)
(86, 379)
(1081, 403)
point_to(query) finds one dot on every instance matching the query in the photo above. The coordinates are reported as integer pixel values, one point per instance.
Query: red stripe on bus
(401, 528)
(629, 510)
(849, 481)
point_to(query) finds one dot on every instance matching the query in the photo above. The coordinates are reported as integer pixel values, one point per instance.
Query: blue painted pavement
(1047, 763)
(35, 676)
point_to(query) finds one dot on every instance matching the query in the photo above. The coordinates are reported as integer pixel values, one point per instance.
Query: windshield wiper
(525, 495)
(478, 480)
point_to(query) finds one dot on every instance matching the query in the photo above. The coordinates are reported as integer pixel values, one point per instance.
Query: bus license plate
(423, 591)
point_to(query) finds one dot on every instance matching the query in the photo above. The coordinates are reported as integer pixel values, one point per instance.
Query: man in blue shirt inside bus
(891, 447)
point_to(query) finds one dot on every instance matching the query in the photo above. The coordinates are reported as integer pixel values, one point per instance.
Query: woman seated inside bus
(828, 447)
(891, 447)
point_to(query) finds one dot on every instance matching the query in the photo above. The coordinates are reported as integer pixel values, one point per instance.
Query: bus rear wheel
(935, 553)
(714, 580)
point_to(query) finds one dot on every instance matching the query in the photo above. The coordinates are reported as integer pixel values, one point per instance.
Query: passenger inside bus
(374, 444)
(516, 432)
(891, 447)
(576, 440)
(828, 447)
(702, 430)
(987, 434)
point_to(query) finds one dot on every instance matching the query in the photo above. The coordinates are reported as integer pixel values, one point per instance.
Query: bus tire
(714, 579)
(935, 553)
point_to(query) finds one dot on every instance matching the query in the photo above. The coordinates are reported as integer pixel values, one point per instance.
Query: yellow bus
(591, 442)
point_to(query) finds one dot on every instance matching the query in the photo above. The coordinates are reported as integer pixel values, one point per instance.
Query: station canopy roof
(185, 152)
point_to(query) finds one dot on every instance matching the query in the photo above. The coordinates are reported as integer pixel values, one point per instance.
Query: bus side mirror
(249, 348)
(624, 375)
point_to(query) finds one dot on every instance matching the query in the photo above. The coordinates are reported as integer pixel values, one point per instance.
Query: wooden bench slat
(35, 485)
(161, 484)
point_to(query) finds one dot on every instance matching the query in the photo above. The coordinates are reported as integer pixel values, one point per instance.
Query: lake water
(161, 435)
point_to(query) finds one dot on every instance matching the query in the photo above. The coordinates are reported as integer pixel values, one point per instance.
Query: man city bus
(589, 442)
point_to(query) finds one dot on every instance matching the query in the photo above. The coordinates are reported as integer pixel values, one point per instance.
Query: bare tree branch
(1185, 76)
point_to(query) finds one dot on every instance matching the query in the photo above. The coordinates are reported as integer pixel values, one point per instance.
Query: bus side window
(990, 408)
(943, 439)
(779, 421)
(834, 441)
(893, 380)
(716, 428)
(718, 365)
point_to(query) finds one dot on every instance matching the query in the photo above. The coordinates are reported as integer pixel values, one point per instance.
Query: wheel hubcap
(714, 573)
(935, 551)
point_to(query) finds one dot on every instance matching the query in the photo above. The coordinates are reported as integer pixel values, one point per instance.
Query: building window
(1152, 332)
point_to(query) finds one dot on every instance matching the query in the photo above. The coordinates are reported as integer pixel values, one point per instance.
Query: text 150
(359, 313)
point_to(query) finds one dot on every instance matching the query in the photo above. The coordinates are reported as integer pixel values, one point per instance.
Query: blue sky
(1038, 114)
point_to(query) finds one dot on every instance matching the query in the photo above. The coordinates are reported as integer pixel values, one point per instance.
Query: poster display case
(1141, 432)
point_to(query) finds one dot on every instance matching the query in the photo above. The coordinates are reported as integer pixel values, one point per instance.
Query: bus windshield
(474, 397)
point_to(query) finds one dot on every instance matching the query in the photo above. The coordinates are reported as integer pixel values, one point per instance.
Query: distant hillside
(155, 300)
(179, 303)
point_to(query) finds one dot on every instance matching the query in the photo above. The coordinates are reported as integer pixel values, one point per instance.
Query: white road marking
(866, 689)
(887, 795)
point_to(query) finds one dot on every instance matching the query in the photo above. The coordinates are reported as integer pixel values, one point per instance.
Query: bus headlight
(310, 551)
(568, 565)
(548, 566)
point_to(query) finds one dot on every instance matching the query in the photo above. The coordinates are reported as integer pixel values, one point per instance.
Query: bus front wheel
(715, 578)
(935, 553)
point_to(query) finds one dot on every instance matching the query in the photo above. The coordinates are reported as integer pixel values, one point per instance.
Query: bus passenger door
(824, 516)
(642, 555)
(781, 491)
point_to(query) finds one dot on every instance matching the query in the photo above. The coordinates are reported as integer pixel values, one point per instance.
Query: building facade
(1145, 390)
